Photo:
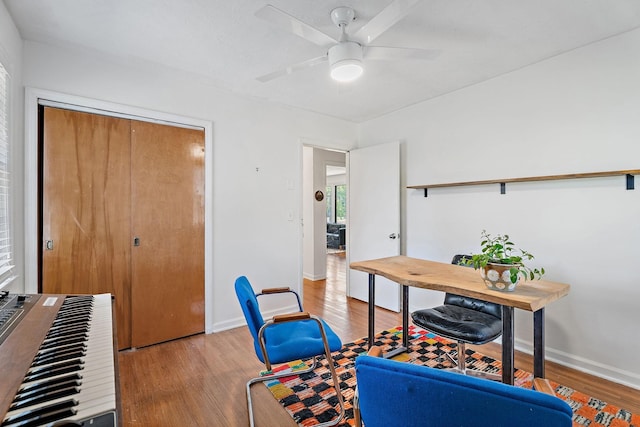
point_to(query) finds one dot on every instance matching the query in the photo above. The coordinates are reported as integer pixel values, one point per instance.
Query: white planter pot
(498, 277)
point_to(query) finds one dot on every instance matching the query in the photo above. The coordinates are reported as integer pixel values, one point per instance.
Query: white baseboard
(240, 321)
(591, 367)
(314, 278)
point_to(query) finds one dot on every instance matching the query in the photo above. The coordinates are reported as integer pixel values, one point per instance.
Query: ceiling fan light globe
(347, 70)
(345, 61)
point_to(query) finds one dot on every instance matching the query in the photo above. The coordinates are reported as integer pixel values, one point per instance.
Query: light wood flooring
(200, 380)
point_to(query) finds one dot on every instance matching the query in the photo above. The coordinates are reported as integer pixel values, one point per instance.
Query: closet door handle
(136, 241)
(48, 245)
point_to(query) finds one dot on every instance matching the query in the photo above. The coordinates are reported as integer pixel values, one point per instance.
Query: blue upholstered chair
(392, 393)
(286, 338)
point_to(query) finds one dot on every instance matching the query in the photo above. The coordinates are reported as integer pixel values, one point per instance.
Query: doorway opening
(336, 201)
(325, 217)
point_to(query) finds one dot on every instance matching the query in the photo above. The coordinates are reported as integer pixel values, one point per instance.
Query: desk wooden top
(530, 295)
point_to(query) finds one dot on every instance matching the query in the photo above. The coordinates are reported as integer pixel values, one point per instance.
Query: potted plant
(501, 264)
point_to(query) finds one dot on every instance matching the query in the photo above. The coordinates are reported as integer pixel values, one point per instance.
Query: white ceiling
(224, 41)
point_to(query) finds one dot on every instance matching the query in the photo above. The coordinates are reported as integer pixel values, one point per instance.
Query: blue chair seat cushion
(459, 323)
(431, 397)
(299, 338)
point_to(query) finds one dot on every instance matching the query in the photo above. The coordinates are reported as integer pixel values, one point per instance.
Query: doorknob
(393, 236)
(48, 245)
(136, 241)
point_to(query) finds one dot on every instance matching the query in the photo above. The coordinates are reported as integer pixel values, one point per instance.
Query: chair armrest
(276, 290)
(543, 385)
(291, 317)
(375, 351)
(281, 290)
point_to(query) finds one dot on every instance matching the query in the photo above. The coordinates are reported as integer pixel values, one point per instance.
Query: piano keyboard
(71, 380)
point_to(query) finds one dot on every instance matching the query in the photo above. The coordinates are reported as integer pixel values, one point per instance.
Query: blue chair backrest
(424, 396)
(249, 303)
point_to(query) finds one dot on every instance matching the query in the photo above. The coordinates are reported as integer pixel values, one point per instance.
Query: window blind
(6, 259)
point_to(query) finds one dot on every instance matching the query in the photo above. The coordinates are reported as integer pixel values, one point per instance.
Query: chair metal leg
(334, 375)
(272, 377)
(461, 366)
(336, 386)
(356, 409)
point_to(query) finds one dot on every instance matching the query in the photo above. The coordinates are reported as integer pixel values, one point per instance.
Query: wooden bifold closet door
(123, 212)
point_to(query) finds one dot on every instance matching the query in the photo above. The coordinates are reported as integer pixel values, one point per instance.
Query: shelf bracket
(630, 179)
(425, 192)
(503, 188)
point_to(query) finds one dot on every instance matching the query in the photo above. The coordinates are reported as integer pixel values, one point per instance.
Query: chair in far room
(286, 338)
(465, 320)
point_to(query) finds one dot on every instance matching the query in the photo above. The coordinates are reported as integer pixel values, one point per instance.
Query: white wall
(257, 154)
(11, 58)
(577, 112)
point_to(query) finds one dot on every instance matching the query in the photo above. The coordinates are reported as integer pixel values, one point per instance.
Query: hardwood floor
(200, 380)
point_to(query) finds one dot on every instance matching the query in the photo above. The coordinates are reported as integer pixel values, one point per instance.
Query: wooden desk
(529, 295)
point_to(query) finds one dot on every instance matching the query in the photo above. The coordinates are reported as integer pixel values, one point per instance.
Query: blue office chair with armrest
(465, 320)
(424, 396)
(286, 338)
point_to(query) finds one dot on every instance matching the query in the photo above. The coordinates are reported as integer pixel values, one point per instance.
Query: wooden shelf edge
(631, 172)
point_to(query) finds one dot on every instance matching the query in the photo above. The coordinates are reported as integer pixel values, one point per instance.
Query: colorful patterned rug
(310, 399)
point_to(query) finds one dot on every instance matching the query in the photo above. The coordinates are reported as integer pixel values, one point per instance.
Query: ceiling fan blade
(398, 53)
(384, 20)
(292, 69)
(291, 23)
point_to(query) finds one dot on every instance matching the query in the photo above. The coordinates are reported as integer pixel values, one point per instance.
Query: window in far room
(340, 203)
(336, 195)
(6, 259)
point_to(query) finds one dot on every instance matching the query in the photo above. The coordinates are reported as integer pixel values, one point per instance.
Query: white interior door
(374, 218)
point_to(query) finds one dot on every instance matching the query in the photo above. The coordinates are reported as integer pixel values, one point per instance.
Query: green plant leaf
(499, 249)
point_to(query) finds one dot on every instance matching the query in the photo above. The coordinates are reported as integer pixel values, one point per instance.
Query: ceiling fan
(346, 54)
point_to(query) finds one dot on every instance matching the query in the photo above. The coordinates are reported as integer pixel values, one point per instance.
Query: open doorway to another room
(325, 219)
(336, 197)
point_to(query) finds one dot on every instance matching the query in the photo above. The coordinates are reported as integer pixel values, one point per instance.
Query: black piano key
(75, 308)
(83, 336)
(45, 419)
(46, 387)
(79, 297)
(74, 376)
(71, 321)
(66, 330)
(77, 333)
(43, 415)
(72, 362)
(79, 308)
(63, 347)
(54, 371)
(58, 356)
(68, 304)
(44, 397)
(63, 342)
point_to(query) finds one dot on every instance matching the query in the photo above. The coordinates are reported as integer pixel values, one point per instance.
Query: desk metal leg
(372, 307)
(507, 344)
(372, 317)
(405, 316)
(405, 326)
(538, 343)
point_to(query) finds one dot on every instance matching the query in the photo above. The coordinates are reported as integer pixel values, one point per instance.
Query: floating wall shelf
(503, 182)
